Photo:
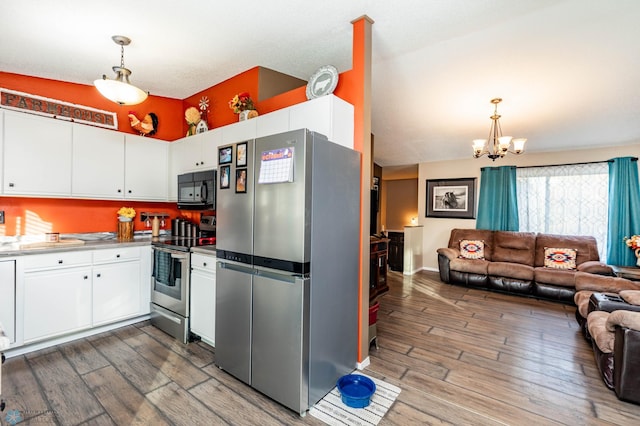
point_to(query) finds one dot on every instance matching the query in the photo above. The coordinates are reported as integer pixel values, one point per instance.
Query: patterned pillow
(560, 258)
(472, 249)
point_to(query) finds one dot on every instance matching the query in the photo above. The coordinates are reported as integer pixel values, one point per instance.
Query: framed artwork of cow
(451, 198)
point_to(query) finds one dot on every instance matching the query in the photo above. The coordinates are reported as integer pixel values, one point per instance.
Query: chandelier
(120, 90)
(497, 145)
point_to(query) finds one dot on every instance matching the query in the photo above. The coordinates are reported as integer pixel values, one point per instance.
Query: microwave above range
(197, 190)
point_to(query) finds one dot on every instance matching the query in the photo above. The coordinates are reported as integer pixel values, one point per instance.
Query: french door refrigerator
(288, 226)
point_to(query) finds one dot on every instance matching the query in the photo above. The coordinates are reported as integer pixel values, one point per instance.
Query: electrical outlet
(1, 217)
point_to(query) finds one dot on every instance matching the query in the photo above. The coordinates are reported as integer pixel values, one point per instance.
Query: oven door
(170, 280)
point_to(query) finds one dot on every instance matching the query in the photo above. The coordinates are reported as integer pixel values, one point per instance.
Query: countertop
(12, 248)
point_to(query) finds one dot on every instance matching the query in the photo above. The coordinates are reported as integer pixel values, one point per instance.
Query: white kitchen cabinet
(116, 284)
(146, 170)
(273, 123)
(8, 298)
(203, 297)
(1, 148)
(328, 115)
(146, 265)
(238, 132)
(56, 302)
(98, 163)
(37, 155)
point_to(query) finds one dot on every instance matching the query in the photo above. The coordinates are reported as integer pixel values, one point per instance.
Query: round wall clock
(322, 82)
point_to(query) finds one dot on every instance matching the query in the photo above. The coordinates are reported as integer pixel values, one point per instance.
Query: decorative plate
(322, 82)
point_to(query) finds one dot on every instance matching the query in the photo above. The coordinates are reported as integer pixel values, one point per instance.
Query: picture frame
(241, 181)
(225, 177)
(451, 198)
(225, 155)
(241, 154)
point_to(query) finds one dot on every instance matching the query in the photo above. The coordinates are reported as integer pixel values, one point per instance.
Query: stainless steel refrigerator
(288, 226)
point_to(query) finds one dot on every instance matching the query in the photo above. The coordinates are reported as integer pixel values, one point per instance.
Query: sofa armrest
(621, 318)
(449, 253)
(603, 284)
(596, 267)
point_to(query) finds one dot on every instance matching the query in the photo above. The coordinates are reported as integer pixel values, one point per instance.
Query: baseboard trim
(364, 364)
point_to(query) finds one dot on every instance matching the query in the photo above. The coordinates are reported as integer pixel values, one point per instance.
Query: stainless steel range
(170, 290)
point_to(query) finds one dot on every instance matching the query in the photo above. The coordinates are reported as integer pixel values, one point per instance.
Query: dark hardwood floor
(461, 356)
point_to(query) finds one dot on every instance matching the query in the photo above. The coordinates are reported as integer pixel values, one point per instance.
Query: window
(568, 199)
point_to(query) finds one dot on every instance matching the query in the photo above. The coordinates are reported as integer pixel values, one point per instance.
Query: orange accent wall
(33, 216)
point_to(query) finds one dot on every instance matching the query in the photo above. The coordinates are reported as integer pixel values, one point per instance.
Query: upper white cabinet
(8, 299)
(146, 170)
(273, 123)
(328, 115)
(98, 163)
(37, 155)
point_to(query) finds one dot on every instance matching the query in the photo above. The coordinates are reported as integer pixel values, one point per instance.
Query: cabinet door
(209, 153)
(8, 298)
(203, 304)
(56, 302)
(37, 155)
(146, 168)
(116, 291)
(98, 163)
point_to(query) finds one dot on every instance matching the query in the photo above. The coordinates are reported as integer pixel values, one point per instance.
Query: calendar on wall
(276, 166)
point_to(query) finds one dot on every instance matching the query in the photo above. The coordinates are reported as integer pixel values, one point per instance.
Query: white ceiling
(568, 70)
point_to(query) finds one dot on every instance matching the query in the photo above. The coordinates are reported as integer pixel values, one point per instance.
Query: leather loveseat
(525, 263)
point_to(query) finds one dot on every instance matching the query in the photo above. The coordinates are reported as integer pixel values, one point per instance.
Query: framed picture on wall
(225, 155)
(451, 198)
(225, 178)
(241, 154)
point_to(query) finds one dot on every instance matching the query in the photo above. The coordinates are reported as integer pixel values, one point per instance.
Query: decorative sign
(39, 105)
(276, 166)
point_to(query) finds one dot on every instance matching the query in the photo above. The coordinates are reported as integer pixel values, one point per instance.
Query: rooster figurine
(146, 127)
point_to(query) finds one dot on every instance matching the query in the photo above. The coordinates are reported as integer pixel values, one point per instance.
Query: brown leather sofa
(514, 262)
(616, 345)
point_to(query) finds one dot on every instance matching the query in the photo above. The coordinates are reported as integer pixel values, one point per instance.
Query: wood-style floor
(461, 356)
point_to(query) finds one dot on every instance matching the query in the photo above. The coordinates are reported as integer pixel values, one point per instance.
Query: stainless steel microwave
(197, 190)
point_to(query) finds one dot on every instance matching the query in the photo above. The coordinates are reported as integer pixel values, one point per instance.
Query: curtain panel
(498, 203)
(624, 209)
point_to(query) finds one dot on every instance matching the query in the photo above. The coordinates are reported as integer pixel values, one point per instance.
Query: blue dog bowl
(356, 390)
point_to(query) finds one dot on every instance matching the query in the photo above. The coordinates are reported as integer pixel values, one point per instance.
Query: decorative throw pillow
(472, 249)
(560, 258)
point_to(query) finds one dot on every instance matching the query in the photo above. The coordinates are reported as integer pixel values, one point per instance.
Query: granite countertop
(208, 250)
(12, 246)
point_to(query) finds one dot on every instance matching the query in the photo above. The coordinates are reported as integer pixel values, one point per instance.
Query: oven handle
(167, 316)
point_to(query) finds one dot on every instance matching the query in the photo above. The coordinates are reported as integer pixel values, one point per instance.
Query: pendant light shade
(120, 90)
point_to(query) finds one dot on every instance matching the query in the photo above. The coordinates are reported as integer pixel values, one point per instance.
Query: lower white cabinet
(203, 297)
(8, 298)
(56, 301)
(116, 291)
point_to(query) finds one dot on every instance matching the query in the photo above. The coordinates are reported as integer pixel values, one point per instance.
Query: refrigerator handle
(235, 267)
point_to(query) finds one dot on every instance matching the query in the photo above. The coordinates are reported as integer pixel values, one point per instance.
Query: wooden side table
(628, 272)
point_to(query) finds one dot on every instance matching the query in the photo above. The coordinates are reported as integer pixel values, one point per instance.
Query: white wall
(436, 230)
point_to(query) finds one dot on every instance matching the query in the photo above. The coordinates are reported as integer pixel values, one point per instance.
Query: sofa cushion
(514, 247)
(459, 234)
(603, 284)
(631, 296)
(585, 245)
(511, 270)
(560, 258)
(595, 267)
(475, 266)
(597, 326)
(560, 277)
(472, 249)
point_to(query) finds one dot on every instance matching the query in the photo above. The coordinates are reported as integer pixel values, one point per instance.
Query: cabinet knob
(118, 256)
(60, 261)
(86, 277)
(11, 185)
(197, 164)
(98, 275)
(119, 191)
(129, 191)
(204, 263)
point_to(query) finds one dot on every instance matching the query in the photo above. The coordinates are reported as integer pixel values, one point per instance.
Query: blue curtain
(498, 203)
(624, 209)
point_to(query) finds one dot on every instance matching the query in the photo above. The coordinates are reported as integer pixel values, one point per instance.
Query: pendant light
(120, 90)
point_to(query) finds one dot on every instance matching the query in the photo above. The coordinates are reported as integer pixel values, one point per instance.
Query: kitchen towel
(162, 264)
(332, 411)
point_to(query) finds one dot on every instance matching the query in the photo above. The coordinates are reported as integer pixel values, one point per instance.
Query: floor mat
(332, 411)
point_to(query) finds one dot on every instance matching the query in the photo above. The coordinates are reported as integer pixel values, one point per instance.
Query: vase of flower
(242, 105)
(125, 223)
